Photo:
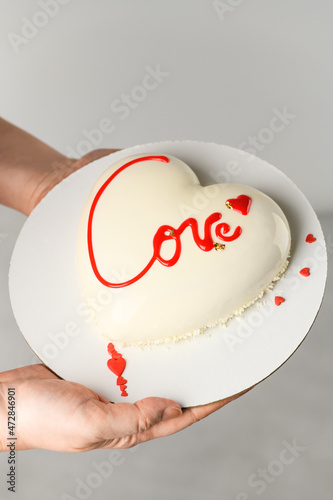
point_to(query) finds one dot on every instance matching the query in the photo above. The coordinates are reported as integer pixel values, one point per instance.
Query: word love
(165, 232)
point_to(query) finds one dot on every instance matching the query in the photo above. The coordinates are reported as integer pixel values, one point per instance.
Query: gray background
(227, 73)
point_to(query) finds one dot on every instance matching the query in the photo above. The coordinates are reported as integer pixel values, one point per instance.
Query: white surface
(216, 365)
(225, 78)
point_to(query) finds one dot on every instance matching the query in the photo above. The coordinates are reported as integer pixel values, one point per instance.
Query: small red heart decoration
(279, 300)
(124, 393)
(240, 204)
(121, 381)
(116, 365)
(305, 272)
(111, 348)
(123, 387)
(310, 238)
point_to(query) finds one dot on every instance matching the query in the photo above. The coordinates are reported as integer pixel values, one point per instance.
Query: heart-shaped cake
(161, 257)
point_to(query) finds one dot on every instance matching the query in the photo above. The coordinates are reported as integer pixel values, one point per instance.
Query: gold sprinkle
(171, 232)
(219, 247)
(228, 204)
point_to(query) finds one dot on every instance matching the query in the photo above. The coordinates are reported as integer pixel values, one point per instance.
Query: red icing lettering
(225, 229)
(310, 238)
(165, 232)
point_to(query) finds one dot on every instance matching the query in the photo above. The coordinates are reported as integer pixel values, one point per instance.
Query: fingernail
(171, 412)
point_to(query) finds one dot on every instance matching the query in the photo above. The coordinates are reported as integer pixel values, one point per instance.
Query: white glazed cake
(161, 258)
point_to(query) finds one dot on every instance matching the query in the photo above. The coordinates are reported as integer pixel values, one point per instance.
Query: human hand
(59, 169)
(29, 168)
(54, 413)
(59, 415)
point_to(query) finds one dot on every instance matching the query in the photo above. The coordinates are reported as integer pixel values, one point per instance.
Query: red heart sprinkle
(240, 204)
(124, 393)
(305, 272)
(279, 300)
(310, 238)
(111, 348)
(116, 365)
(123, 387)
(121, 381)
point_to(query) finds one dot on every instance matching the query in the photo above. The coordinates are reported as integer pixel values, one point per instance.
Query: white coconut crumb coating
(199, 331)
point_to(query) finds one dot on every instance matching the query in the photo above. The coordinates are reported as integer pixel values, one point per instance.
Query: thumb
(124, 421)
(91, 156)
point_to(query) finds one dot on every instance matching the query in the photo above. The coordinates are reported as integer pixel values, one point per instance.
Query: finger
(122, 421)
(188, 417)
(67, 166)
(92, 156)
(31, 372)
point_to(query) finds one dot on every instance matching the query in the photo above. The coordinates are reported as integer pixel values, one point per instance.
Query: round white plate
(46, 300)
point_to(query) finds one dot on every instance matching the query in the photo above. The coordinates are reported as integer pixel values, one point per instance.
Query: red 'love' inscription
(166, 232)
